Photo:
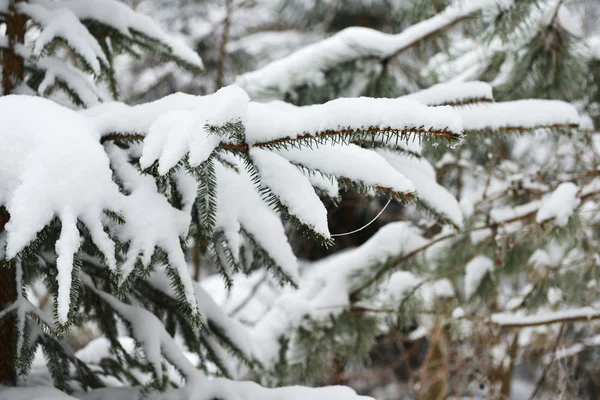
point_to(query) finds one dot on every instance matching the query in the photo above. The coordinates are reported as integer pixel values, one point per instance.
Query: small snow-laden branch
(149, 332)
(352, 162)
(454, 94)
(121, 19)
(273, 125)
(510, 320)
(309, 65)
(62, 24)
(519, 116)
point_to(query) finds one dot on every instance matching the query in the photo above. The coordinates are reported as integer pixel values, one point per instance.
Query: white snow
(422, 174)
(506, 214)
(453, 93)
(41, 166)
(518, 114)
(475, 271)
(560, 205)
(349, 114)
(122, 18)
(352, 162)
(164, 229)
(545, 318)
(173, 134)
(397, 287)
(292, 188)
(253, 215)
(62, 23)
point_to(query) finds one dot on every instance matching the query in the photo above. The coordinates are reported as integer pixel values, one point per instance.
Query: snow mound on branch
(276, 120)
(252, 215)
(53, 165)
(62, 23)
(519, 114)
(475, 271)
(559, 205)
(178, 132)
(292, 188)
(352, 162)
(422, 174)
(453, 93)
(123, 19)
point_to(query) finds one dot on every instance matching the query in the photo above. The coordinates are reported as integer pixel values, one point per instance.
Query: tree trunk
(8, 294)
(12, 63)
(12, 76)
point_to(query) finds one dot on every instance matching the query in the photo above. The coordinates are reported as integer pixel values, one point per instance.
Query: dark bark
(8, 294)
(12, 63)
(12, 76)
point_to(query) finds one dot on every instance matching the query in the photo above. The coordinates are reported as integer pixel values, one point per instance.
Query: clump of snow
(422, 174)
(453, 93)
(63, 23)
(292, 188)
(458, 313)
(352, 162)
(397, 287)
(475, 271)
(253, 215)
(40, 165)
(518, 114)
(560, 205)
(125, 20)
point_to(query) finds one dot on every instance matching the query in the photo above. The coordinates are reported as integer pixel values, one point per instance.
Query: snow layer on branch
(227, 105)
(58, 70)
(292, 188)
(253, 215)
(279, 120)
(40, 165)
(506, 214)
(397, 287)
(219, 388)
(546, 318)
(559, 205)
(263, 122)
(518, 114)
(453, 93)
(475, 271)
(422, 174)
(62, 23)
(33, 393)
(143, 234)
(122, 18)
(308, 65)
(325, 288)
(352, 162)
(200, 388)
(150, 333)
(327, 185)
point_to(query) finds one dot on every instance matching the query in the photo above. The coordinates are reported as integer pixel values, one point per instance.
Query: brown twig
(547, 368)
